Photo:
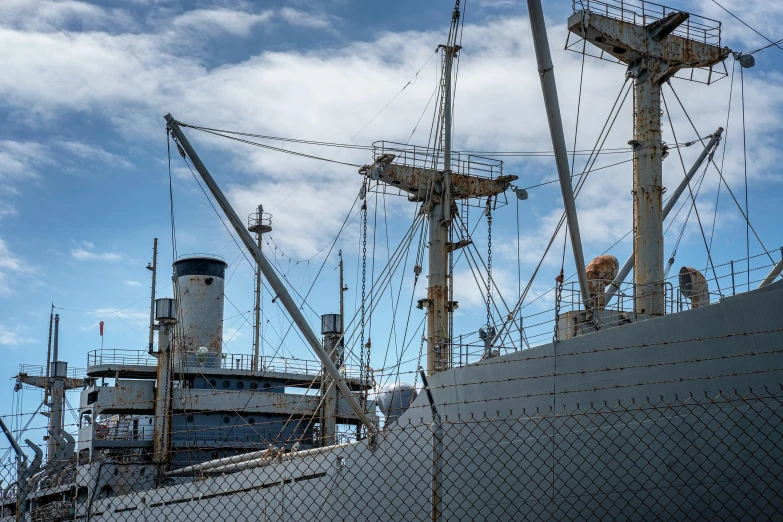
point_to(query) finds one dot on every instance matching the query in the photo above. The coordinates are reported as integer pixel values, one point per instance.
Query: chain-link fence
(692, 458)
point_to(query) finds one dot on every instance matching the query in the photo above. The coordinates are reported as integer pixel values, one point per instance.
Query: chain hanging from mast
(364, 362)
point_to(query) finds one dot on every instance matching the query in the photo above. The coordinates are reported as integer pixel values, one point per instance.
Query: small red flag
(101, 328)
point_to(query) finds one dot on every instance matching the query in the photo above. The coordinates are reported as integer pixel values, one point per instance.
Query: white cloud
(132, 283)
(51, 15)
(215, 21)
(14, 336)
(306, 19)
(94, 152)
(88, 255)
(11, 266)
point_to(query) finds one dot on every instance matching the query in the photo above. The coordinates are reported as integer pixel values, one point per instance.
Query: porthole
(240, 385)
(226, 384)
(251, 420)
(253, 385)
(212, 382)
(226, 420)
(190, 418)
(267, 385)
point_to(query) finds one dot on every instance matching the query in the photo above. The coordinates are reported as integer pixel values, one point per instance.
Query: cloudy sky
(84, 171)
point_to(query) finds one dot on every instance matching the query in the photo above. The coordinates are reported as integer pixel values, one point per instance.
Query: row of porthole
(227, 420)
(240, 384)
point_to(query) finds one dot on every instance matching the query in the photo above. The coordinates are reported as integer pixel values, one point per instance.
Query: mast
(154, 268)
(271, 276)
(655, 47)
(259, 223)
(58, 374)
(438, 190)
(439, 221)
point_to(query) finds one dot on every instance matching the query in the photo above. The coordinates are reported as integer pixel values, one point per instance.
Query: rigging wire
(602, 137)
(690, 191)
(749, 27)
(723, 179)
(362, 129)
(766, 47)
(745, 169)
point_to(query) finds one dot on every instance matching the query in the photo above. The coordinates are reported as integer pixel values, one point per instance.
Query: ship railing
(427, 158)
(641, 12)
(114, 356)
(282, 365)
(536, 325)
(228, 361)
(37, 370)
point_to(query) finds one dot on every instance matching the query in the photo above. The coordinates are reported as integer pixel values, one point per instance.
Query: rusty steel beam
(628, 42)
(269, 272)
(417, 180)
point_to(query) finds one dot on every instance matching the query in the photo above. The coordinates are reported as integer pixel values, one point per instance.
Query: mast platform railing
(229, 361)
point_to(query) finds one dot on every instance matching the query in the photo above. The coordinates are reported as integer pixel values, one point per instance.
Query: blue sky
(85, 181)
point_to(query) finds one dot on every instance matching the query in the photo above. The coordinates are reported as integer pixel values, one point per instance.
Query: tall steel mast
(259, 223)
(655, 42)
(439, 221)
(418, 174)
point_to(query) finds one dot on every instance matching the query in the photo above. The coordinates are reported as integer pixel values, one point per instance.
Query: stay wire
(723, 179)
(745, 168)
(693, 198)
(749, 27)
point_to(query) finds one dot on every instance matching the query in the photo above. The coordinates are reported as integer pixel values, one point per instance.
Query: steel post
(329, 394)
(647, 195)
(549, 88)
(437, 453)
(257, 323)
(162, 429)
(56, 397)
(154, 269)
(438, 342)
(269, 272)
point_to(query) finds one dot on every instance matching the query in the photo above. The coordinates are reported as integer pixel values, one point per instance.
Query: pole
(152, 293)
(648, 192)
(56, 349)
(439, 221)
(162, 428)
(269, 272)
(626, 268)
(437, 451)
(329, 408)
(57, 390)
(47, 390)
(257, 333)
(549, 87)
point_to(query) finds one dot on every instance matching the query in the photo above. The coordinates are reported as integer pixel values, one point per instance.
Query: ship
(657, 398)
